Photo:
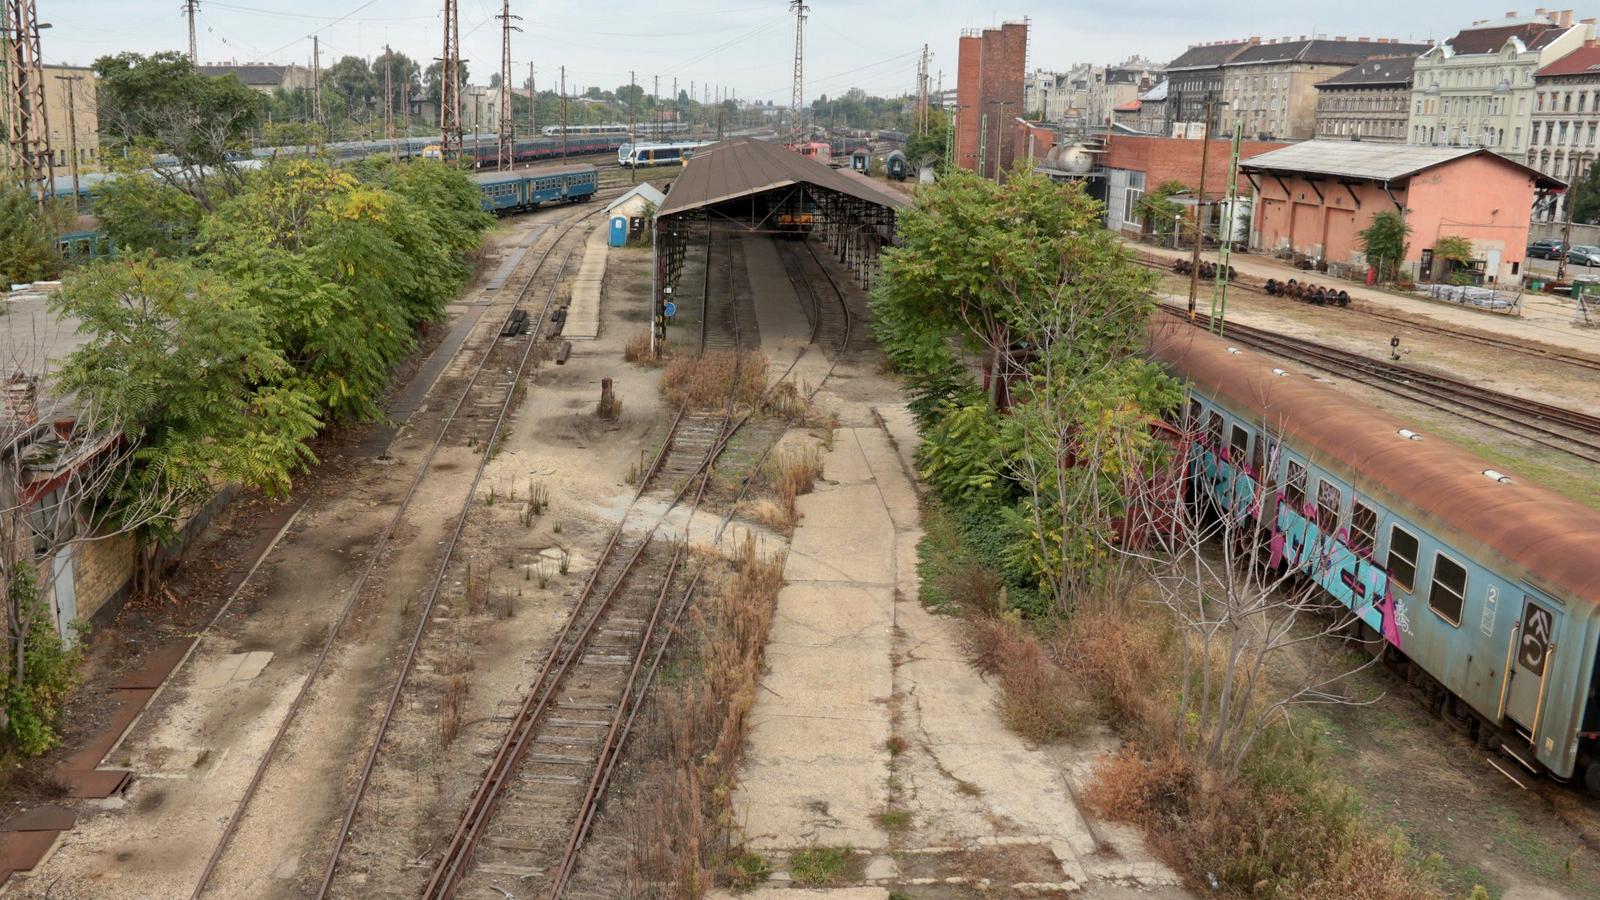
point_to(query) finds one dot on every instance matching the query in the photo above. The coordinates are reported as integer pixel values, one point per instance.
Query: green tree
(183, 364)
(1586, 197)
(27, 241)
(1023, 275)
(140, 212)
(163, 104)
(352, 83)
(431, 83)
(928, 149)
(405, 80)
(1160, 212)
(1384, 242)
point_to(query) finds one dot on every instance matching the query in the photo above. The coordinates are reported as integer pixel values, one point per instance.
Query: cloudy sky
(745, 45)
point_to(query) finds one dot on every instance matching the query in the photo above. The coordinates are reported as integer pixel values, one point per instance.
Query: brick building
(1133, 164)
(990, 68)
(1366, 102)
(1313, 198)
(1566, 119)
(71, 112)
(1271, 88)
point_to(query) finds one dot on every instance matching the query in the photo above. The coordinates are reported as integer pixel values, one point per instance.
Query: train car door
(1533, 642)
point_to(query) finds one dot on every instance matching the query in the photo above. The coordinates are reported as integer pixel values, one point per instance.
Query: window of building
(1449, 591)
(1294, 490)
(1566, 101)
(1403, 558)
(1516, 138)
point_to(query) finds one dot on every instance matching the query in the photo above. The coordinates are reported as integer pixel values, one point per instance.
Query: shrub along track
(519, 335)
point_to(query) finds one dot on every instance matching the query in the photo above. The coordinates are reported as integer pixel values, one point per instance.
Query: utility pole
(533, 104)
(316, 80)
(72, 132)
(983, 141)
(563, 112)
(189, 7)
(1566, 234)
(388, 102)
(1199, 206)
(797, 97)
(922, 91)
(1219, 289)
(450, 84)
(505, 155)
(29, 137)
(657, 93)
(632, 139)
(676, 114)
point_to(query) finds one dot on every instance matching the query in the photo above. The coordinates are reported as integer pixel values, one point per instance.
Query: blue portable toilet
(619, 230)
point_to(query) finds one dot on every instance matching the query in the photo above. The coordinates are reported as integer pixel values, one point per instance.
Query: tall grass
(682, 820)
(703, 382)
(1284, 827)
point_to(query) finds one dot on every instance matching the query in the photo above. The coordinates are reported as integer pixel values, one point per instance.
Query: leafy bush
(49, 672)
(1384, 241)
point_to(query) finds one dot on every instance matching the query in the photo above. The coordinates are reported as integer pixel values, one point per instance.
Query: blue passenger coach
(505, 192)
(1483, 586)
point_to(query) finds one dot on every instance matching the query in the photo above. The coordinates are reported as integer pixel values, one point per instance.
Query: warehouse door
(1535, 641)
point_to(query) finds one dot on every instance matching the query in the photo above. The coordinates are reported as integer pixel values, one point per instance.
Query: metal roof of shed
(1377, 162)
(742, 166)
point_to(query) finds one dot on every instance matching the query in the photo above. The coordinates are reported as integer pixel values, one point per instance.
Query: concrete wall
(1478, 198)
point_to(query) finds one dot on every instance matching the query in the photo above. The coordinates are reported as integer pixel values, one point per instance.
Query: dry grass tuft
(794, 471)
(451, 700)
(1038, 698)
(704, 382)
(682, 819)
(788, 401)
(637, 351)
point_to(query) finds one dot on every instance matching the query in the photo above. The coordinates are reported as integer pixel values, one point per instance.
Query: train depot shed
(1315, 197)
(762, 188)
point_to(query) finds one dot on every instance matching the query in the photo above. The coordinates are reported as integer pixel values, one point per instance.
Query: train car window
(1258, 455)
(1363, 527)
(1403, 557)
(1449, 589)
(1328, 501)
(1193, 421)
(1238, 443)
(1214, 431)
(1294, 492)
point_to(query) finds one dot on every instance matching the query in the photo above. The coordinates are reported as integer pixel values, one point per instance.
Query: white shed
(634, 202)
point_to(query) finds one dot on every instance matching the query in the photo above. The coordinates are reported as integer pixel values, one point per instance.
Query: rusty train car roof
(1539, 536)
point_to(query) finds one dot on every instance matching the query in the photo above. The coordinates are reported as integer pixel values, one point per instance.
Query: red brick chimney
(20, 406)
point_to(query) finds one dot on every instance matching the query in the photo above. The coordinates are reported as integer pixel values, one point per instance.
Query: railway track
(1369, 310)
(1550, 426)
(526, 822)
(515, 343)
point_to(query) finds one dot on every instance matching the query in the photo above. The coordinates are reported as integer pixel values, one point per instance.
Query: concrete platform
(583, 314)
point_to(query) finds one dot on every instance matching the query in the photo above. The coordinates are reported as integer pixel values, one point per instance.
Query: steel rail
(1535, 350)
(351, 596)
(436, 585)
(454, 864)
(1411, 385)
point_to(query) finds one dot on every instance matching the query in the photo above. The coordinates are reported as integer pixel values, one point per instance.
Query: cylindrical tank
(1074, 159)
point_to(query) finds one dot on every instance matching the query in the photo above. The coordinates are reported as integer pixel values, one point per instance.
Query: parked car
(1545, 249)
(1584, 255)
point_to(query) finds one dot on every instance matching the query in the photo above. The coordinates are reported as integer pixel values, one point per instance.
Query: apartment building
(1565, 132)
(1477, 88)
(1195, 77)
(1271, 88)
(1368, 102)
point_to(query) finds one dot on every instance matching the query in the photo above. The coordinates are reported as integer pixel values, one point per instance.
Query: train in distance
(668, 154)
(648, 128)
